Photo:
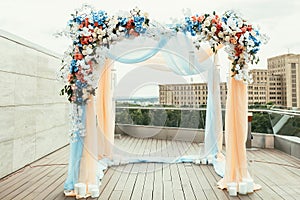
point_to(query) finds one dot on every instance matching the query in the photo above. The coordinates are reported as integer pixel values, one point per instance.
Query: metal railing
(271, 121)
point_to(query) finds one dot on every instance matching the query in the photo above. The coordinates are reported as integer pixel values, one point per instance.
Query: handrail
(277, 111)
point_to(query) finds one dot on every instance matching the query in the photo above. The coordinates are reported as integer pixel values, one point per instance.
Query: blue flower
(122, 21)
(193, 32)
(73, 66)
(256, 41)
(79, 19)
(224, 19)
(255, 50)
(199, 27)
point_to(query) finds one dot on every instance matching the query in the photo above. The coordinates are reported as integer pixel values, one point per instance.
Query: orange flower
(130, 24)
(249, 28)
(134, 33)
(244, 29)
(70, 77)
(86, 22)
(200, 18)
(84, 40)
(233, 40)
(78, 56)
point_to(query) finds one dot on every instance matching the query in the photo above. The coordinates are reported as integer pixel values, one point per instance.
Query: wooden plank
(24, 184)
(140, 181)
(196, 186)
(107, 177)
(168, 191)
(185, 182)
(116, 194)
(106, 192)
(148, 184)
(278, 181)
(178, 195)
(158, 182)
(123, 178)
(176, 183)
(50, 188)
(127, 192)
(21, 178)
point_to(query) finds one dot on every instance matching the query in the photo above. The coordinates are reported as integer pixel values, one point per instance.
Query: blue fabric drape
(139, 54)
(76, 147)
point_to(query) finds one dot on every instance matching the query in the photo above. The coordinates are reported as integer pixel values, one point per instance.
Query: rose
(233, 40)
(227, 38)
(213, 29)
(221, 34)
(206, 23)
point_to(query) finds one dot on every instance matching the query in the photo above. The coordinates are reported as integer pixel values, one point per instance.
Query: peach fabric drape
(236, 123)
(105, 112)
(89, 159)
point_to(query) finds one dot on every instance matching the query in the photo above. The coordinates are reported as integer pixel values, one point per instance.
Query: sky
(38, 20)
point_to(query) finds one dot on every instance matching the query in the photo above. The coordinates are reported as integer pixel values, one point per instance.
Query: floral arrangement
(88, 30)
(242, 39)
(92, 30)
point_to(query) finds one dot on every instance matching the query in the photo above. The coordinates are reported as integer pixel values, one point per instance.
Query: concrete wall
(261, 140)
(33, 117)
(288, 144)
(157, 132)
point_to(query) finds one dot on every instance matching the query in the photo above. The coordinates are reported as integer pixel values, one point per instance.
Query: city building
(258, 90)
(188, 94)
(196, 94)
(284, 80)
(279, 84)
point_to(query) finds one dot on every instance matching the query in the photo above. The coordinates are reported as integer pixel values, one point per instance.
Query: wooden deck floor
(278, 173)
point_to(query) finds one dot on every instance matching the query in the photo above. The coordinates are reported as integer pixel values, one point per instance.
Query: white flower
(213, 29)
(100, 32)
(89, 50)
(146, 14)
(240, 23)
(227, 38)
(231, 23)
(85, 31)
(238, 77)
(221, 34)
(84, 52)
(206, 23)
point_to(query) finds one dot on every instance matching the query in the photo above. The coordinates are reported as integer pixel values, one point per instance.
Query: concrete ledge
(262, 140)
(158, 132)
(21, 41)
(288, 144)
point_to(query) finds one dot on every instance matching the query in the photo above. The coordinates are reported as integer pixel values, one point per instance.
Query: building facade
(258, 90)
(279, 84)
(193, 95)
(196, 94)
(284, 80)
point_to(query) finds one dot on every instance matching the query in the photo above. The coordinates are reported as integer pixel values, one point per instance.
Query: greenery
(292, 127)
(262, 122)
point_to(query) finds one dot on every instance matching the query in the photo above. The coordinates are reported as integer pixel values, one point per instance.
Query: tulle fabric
(236, 123)
(97, 146)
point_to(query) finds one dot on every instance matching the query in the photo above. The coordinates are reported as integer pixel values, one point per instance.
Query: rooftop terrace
(277, 172)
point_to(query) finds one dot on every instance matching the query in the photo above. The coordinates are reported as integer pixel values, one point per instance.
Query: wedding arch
(86, 71)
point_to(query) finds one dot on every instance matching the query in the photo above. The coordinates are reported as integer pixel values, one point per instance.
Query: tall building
(279, 84)
(187, 94)
(284, 80)
(258, 90)
(196, 94)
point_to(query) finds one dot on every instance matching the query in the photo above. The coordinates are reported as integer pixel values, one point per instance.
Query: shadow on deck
(278, 173)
